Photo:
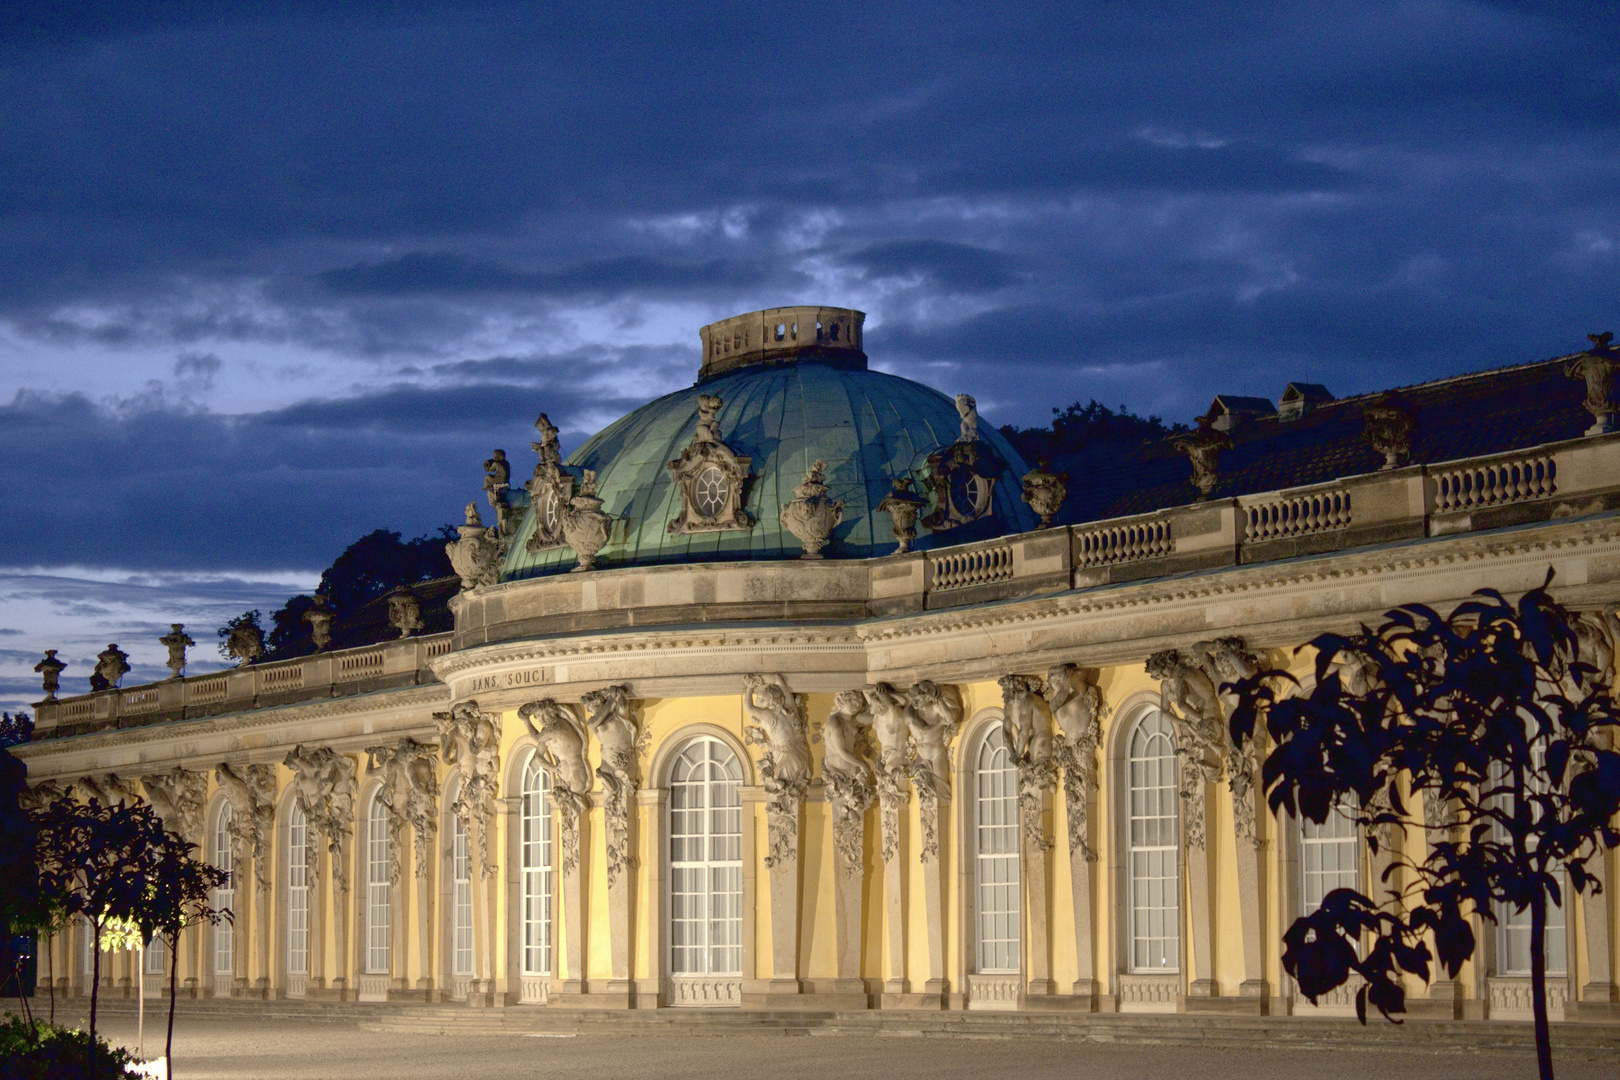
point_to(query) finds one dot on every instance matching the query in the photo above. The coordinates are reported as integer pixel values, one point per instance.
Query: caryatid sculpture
(846, 769)
(109, 789)
(410, 791)
(177, 641)
(887, 708)
(325, 789)
(1029, 745)
(1077, 704)
(611, 714)
(560, 737)
(775, 720)
(933, 713)
(1189, 701)
(178, 796)
(471, 738)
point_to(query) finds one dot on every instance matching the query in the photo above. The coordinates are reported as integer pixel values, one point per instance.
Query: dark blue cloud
(1143, 204)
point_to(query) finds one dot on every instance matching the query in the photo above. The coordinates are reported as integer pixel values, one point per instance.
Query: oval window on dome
(711, 492)
(548, 510)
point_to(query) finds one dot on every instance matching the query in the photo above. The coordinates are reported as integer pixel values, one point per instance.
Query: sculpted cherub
(708, 425)
(848, 753)
(612, 718)
(775, 722)
(887, 707)
(968, 410)
(560, 734)
(933, 713)
(1077, 705)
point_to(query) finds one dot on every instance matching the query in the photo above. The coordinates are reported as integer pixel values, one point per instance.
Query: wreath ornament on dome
(710, 477)
(551, 490)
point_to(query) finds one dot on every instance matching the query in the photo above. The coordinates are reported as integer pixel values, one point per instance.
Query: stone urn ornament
(50, 674)
(1045, 491)
(1203, 449)
(811, 516)
(903, 505)
(319, 617)
(585, 526)
(476, 557)
(404, 611)
(176, 641)
(1390, 429)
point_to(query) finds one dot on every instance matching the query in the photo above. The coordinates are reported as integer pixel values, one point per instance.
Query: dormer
(1300, 396)
(1229, 411)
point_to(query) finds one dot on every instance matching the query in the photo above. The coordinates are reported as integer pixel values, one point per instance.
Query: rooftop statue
(902, 505)
(476, 557)
(968, 409)
(710, 477)
(497, 476)
(1597, 366)
(319, 617)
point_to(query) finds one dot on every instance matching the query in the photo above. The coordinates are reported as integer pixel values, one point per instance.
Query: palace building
(801, 689)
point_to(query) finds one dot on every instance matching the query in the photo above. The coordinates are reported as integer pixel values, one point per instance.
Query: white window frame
(461, 907)
(998, 906)
(700, 944)
(378, 888)
(1329, 857)
(225, 895)
(298, 840)
(1152, 842)
(1512, 936)
(535, 895)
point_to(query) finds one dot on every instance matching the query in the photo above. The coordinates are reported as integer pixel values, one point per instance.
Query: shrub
(35, 1050)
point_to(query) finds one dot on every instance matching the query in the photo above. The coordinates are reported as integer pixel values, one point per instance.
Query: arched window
(1153, 883)
(1329, 858)
(705, 861)
(995, 810)
(377, 887)
(297, 891)
(1513, 927)
(461, 931)
(536, 863)
(225, 895)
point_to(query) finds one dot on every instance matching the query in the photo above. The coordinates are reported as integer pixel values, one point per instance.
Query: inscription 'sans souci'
(506, 679)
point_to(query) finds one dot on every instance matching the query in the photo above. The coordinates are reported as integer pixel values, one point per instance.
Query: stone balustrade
(352, 671)
(1568, 479)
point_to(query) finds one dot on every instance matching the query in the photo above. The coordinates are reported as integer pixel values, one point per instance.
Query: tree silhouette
(1490, 727)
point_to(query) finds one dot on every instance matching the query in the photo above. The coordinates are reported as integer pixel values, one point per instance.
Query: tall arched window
(297, 891)
(1153, 882)
(461, 930)
(225, 895)
(995, 810)
(377, 887)
(705, 861)
(1329, 857)
(1513, 927)
(536, 863)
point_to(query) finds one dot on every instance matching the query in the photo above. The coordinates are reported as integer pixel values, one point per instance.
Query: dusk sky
(273, 275)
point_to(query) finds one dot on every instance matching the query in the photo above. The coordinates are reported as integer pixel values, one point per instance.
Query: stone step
(1436, 1036)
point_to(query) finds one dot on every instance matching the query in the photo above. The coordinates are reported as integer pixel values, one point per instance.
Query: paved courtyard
(213, 1049)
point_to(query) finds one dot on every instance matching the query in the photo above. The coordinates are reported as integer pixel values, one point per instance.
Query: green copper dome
(783, 412)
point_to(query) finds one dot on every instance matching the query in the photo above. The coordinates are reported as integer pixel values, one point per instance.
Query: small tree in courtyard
(1493, 727)
(180, 888)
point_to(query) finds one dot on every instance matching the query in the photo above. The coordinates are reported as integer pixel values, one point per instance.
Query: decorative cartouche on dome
(782, 335)
(710, 476)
